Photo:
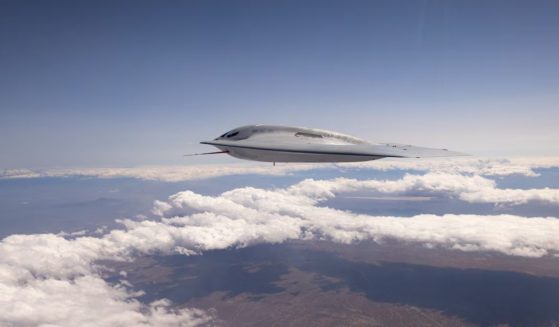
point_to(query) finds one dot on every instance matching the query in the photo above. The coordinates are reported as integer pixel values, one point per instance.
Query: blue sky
(94, 83)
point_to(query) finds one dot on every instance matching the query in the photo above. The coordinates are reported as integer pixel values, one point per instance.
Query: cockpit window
(303, 134)
(232, 134)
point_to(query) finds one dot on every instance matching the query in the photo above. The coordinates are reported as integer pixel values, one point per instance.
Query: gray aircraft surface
(272, 143)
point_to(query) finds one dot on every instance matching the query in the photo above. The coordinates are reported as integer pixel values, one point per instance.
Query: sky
(131, 83)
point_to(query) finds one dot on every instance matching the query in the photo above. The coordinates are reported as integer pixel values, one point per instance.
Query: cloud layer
(470, 188)
(249, 215)
(485, 167)
(464, 165)
(163, 173)
(49, 280)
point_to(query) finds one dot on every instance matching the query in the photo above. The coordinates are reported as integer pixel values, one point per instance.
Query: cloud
(485, 167)
(161, 173)
(49, 280)
(248, 215)
(475, 189)
(85, 301)
(467, 165)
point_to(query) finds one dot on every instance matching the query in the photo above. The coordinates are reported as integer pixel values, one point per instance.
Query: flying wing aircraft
(272, 143)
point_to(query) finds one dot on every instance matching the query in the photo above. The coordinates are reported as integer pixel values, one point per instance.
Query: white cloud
(468, 165)
(479, 166)
(475, 189)
(84, 301)
(48, 280)
(245, 216)
(161, 173)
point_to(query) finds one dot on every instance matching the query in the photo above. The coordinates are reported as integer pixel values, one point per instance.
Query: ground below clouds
(326, 284)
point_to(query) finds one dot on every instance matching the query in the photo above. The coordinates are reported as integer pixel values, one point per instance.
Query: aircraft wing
(372, 150)
(410, 151)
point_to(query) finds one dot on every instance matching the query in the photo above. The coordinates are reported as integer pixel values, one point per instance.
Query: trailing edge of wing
(409, 151)
(205, 153)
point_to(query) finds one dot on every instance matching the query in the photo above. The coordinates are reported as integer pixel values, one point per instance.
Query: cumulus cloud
(464, 165)
(49, 280)
(485, 167)
(85, 301)
(248, 215)
(470, 188)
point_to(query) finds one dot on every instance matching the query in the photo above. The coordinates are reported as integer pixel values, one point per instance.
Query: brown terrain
(327, 284)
